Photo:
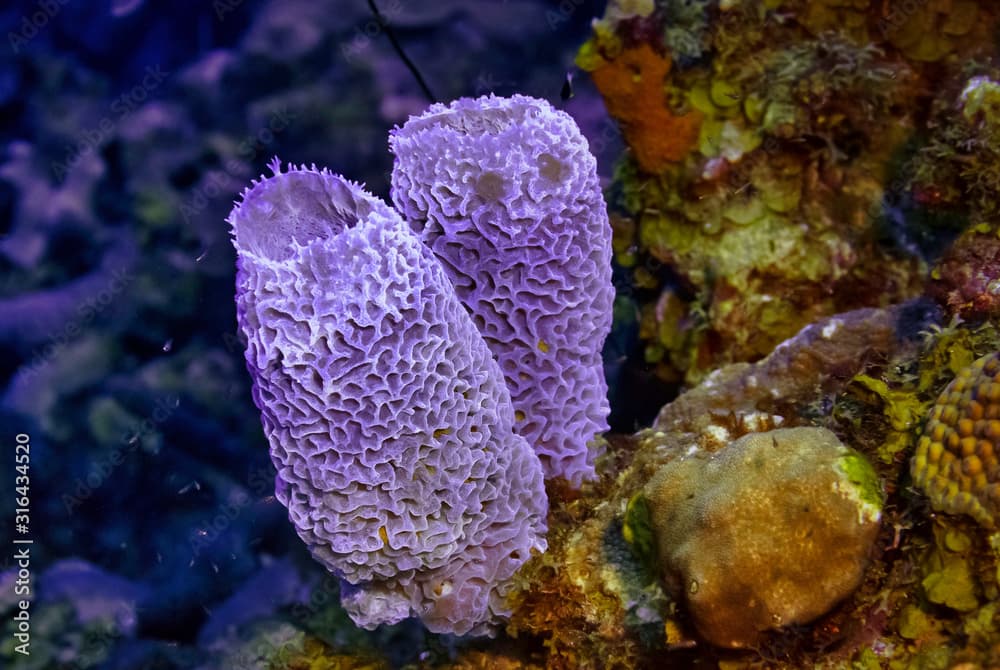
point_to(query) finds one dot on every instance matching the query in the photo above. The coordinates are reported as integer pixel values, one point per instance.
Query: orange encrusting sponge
(633, 89)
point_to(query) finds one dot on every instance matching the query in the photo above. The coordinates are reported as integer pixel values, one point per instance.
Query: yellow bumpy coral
(956, 459)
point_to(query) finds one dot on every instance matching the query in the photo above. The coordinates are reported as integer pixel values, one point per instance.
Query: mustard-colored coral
(930, 30)
(956, 458)
(633, 88)
(848, 16)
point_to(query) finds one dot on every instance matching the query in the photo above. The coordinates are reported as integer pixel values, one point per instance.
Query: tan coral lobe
(770, 531)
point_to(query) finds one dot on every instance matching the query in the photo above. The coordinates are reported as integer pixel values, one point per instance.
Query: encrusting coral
(389, 423)
(505, 192)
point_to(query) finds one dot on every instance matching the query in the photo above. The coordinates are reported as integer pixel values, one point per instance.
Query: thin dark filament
(399, 50)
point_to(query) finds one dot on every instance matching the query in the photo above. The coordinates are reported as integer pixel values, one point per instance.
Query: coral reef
(821, 501)
(505, 193)
(925, 590)
(930, 31)
(148, 456)
(389, 422)
(774, 214)
(952, 172)
(795, 172)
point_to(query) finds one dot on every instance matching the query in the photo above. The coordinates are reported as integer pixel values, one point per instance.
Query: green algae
(951, 584)
(902, 407)
(948, 571)
(864, 480)
(637, 529)
(916, 624)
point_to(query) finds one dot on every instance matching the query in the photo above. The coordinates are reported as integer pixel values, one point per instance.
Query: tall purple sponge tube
(505, 192)
(388, 419)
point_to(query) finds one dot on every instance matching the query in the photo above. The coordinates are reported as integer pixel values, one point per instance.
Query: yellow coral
(929, 31)
(956, 458)
(849, 16)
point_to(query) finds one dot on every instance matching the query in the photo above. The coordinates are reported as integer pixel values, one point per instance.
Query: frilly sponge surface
(505, 193)
(389, 422)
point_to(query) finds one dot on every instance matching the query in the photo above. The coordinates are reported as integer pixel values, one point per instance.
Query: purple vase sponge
(387, 416)
(504, 191)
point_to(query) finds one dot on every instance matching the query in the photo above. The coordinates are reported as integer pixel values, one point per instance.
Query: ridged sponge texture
(505, 192)
(388, 420)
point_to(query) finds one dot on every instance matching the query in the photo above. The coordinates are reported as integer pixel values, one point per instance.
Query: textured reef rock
(816, 361)
(389, 422)
(772, 530)
(706, 512)
(966, 281)
(505, 193)
(956, 458)
(753, 207)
